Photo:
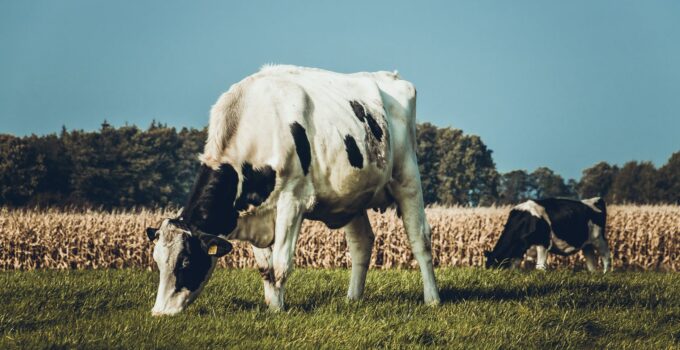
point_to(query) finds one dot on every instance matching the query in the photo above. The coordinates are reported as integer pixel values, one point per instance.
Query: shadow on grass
(246, 305)
(570, 293)
(27, 325)
(455, 295)
(318, 299)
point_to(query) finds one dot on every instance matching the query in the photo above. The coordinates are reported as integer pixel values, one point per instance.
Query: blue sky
(559, 84)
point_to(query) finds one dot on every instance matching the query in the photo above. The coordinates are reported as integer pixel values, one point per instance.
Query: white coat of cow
(288, 144)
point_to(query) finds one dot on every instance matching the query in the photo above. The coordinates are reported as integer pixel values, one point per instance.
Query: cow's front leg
(591, 258)
(409, 197)
(530, 257)
(360, 241)
(288, 220)
(263, 257)
(603, 250)
(541, 257)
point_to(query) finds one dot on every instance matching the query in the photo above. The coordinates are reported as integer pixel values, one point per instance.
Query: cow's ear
(152, 233)
(215, 246)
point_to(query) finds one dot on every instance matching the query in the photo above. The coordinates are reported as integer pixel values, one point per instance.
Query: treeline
(128, 166)
(111, 168)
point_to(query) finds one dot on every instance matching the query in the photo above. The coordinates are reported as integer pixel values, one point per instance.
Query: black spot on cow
(353, 152)
(569, 219)
(258, 184)
(302, 147)
(192, 265)
(210, 205)
(361, 114)
(375, 128)
(358, 109)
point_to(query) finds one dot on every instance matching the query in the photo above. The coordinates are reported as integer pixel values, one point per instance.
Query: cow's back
(356, 126)
(570, 219)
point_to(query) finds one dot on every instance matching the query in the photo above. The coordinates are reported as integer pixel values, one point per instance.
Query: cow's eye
(185, 263)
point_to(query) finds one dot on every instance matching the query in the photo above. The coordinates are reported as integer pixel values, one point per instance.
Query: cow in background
(559, 226)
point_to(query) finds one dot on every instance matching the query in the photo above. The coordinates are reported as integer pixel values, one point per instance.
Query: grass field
(481, 309)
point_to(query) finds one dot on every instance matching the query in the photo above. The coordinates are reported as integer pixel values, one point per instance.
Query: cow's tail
(224, 119)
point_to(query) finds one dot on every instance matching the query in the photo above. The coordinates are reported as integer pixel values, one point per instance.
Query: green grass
(481, 309)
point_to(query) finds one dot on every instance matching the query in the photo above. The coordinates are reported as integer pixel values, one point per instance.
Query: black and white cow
(560, 226)
(287, 144)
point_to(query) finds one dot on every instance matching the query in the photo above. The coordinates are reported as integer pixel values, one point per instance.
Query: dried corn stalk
(641, 237)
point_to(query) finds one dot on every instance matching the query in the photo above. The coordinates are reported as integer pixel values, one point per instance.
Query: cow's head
(521, 230)
(186, 258)
(187, 246)
(494, 261)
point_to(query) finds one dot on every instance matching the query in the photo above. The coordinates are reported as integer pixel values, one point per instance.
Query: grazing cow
(560, 226)
(287, 144)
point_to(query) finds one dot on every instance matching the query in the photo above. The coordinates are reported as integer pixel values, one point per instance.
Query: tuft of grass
(480, 309)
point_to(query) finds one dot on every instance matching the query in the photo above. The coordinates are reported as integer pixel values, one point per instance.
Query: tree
(597, 180)
(480, 171)
(635, 183)
(455, 168)
(192, 145)
(515, 187)
(54, 185)
(572, 187)
(22, 169)
(96, 179)
(127, 166)
(545, 183)
(152, 173)
(669, 180)
(428, 160)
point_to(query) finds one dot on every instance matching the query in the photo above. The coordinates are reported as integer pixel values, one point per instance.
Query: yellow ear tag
(212, 250)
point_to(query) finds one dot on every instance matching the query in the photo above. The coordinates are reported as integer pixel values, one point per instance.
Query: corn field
(640, 237)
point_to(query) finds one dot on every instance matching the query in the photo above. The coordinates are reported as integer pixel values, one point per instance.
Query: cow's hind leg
(591, 257)
(360, 240)
(287, 229)
(409, 197)
(263, 257)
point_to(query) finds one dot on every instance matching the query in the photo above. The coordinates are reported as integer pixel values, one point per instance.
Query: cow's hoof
(433, 301)
(163, 313)
(276, 308)
(351, 297)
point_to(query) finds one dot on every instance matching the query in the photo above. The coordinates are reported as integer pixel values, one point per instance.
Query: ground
(480, 309)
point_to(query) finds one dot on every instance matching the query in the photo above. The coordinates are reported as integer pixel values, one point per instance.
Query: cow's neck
(210, 207)
(234, 205)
